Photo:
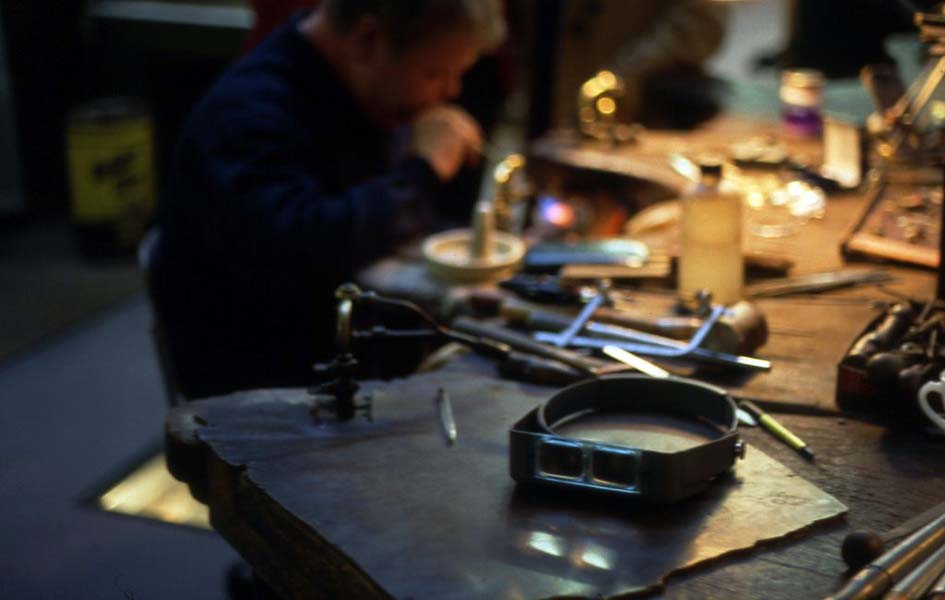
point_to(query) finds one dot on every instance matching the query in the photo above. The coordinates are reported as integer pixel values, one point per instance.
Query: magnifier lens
(560, 459)
(613, 467)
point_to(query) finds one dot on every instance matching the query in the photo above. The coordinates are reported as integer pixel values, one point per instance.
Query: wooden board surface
(417, 519)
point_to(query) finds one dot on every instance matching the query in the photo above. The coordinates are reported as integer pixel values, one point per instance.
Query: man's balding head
(403, 57)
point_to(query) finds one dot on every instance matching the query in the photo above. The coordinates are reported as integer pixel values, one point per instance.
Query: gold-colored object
(152, 493)
(910, 133)
(487, 251)
(509, 189)
(600, 99)
(346, 294)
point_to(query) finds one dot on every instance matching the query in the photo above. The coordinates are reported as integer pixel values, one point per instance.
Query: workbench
(382, 508)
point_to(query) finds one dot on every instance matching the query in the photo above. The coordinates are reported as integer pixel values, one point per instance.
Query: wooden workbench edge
(184, 452)
(263, 532)
(278, 544)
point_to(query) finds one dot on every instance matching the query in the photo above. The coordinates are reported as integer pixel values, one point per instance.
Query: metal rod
(666, 346)
(880, 575)
(444, 410)
(937, 591)
(640, 364)
(914, 585)
(523, 343)
(940, 280)
(562, 339)
(699, 354)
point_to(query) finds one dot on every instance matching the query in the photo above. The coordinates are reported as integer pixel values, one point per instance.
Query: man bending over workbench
(287, 178)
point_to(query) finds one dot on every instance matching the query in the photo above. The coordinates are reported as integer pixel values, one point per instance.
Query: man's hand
(447, 137)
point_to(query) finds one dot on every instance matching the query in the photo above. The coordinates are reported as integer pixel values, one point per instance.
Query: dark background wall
(63, 53)
(45, 67)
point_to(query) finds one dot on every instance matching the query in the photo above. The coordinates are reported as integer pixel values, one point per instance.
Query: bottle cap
(710, 164)
(802, 78)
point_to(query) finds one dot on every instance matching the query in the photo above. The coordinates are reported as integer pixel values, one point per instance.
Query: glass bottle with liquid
(710, 250)
(801, 102)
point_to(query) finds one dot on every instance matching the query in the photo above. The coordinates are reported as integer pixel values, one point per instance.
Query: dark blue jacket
(281, 187)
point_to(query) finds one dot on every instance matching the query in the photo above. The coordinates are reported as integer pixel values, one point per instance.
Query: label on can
(111, 168)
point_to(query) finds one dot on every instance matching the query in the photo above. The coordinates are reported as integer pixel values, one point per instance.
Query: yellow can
(110, 147)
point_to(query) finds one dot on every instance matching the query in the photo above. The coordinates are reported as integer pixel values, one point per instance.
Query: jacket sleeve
(265, 204)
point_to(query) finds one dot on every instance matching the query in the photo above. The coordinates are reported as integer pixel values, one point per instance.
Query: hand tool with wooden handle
(741, 330)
